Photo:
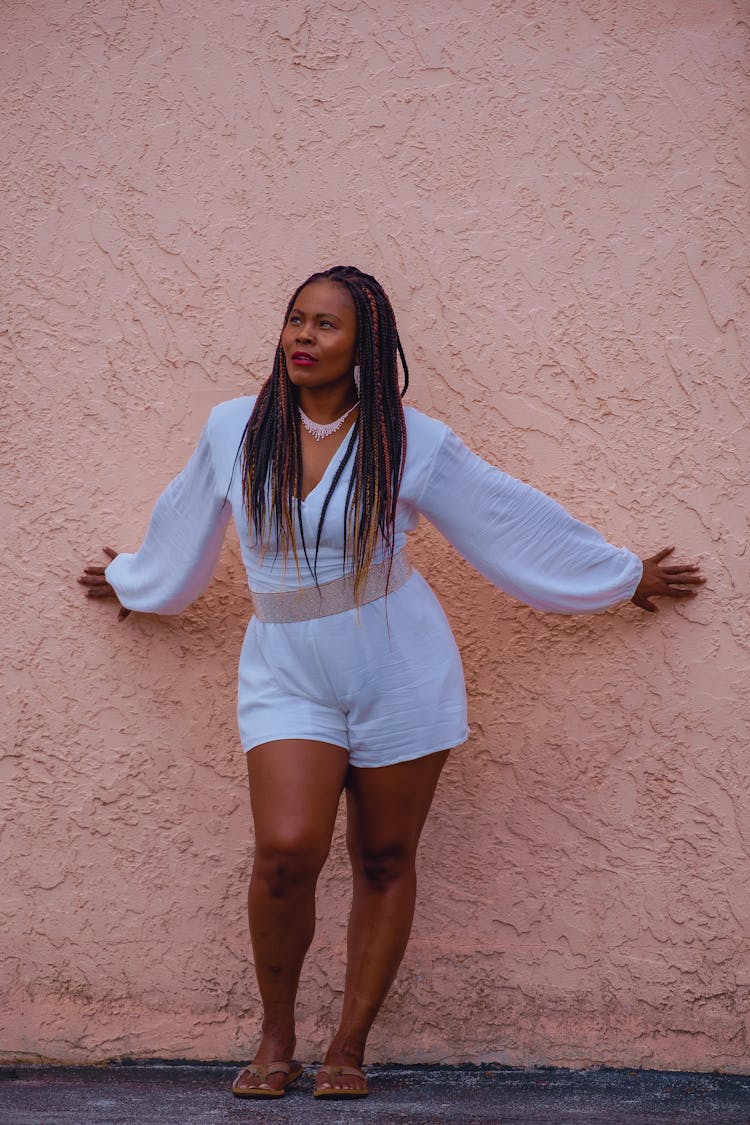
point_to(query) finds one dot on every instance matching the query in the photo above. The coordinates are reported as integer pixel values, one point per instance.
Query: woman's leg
(295, 787)
(387, 808)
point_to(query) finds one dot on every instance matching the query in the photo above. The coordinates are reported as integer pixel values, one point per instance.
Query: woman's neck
(326, 404)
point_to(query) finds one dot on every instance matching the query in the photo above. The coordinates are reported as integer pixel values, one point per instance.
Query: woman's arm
(177, 558)
(530, 546)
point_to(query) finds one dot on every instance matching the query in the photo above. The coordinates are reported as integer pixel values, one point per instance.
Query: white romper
(384, 682)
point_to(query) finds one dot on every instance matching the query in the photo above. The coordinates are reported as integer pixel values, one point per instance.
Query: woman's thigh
(295, 787)
(387, 806)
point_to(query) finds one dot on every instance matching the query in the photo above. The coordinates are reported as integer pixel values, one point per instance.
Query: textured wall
(554, 196)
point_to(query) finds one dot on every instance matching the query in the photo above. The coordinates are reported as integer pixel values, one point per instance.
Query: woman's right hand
(98, 586)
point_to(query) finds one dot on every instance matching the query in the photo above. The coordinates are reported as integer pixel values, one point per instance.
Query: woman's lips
(302, 359)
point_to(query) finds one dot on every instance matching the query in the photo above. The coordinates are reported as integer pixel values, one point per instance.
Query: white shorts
(387, 686)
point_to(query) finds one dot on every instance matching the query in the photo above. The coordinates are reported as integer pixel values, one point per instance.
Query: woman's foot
(340, 1082)
(266, 1080)
(341, 1075)
(266, 1075)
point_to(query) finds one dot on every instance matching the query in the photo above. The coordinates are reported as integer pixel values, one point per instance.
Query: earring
(357, 377)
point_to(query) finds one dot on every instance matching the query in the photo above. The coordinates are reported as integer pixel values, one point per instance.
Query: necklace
(320, 430)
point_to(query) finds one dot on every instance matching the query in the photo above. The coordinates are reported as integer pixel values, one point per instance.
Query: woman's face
(320, 336)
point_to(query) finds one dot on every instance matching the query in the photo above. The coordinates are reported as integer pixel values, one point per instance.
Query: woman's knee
(288, 862)
(383, 866)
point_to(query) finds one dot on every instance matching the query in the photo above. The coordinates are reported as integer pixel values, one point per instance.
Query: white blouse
(519, 538)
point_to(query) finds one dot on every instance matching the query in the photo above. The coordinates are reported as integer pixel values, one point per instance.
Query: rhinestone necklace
(320, 430)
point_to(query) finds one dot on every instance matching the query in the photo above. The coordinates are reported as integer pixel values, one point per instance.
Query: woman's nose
(304, 333)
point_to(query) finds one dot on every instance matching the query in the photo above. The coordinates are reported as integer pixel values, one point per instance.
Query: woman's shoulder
(424, 439)
(225, 429)
(423, 430)
(232, 413)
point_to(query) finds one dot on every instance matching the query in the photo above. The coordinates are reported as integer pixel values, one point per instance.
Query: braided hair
(272, 454)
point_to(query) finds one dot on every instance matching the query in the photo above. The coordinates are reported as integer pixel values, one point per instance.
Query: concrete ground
(199, 1095)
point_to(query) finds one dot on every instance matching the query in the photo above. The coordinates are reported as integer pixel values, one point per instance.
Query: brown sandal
(340, 1091)
(292, 1070)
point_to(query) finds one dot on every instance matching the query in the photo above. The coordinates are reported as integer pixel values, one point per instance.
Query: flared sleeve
(178, 556)
(521, 539)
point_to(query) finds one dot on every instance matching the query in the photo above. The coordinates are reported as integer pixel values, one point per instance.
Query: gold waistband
(331, 597)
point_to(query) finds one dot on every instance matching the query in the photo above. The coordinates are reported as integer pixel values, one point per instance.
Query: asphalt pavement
(169, 1094)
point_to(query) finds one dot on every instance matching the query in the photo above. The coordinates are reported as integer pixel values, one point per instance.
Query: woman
(349, 677)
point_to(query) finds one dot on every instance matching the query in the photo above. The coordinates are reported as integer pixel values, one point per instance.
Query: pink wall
(554, 196)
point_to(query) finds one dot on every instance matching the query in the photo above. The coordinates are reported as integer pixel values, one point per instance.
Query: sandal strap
(264, 1069)
(350, 1071)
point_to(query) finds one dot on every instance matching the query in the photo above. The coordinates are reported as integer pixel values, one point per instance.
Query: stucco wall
(554, 196)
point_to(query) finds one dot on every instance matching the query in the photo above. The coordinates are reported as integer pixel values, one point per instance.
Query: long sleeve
(521, 539)
(178, 556)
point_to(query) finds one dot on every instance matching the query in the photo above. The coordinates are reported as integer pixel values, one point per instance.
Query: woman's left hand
(666, 581)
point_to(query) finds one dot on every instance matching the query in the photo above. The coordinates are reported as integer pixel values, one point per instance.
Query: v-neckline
(335, 457)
